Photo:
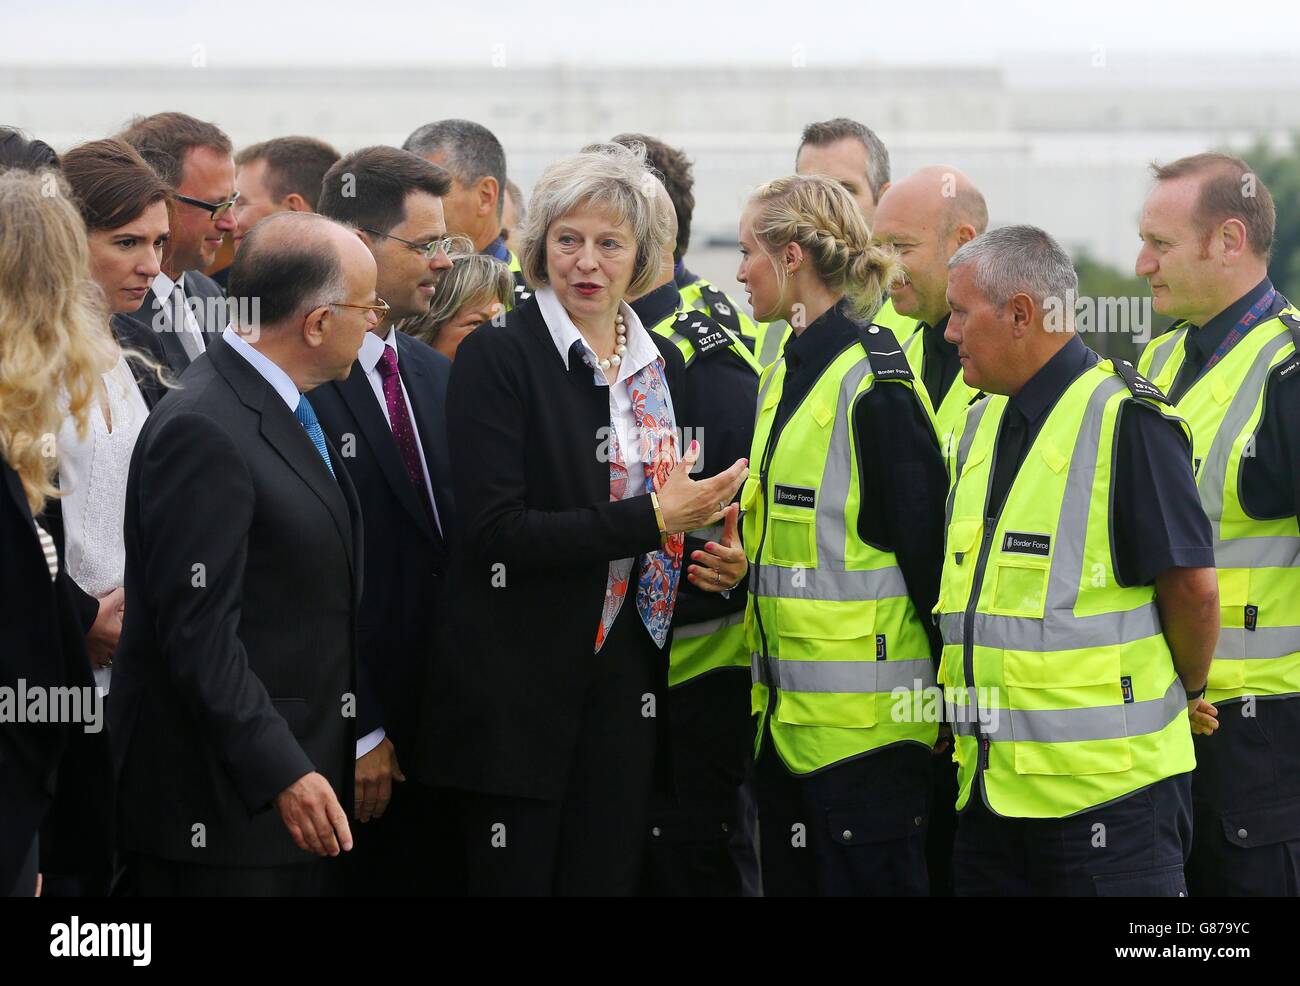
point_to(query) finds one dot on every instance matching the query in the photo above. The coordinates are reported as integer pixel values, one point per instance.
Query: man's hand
(313, 816)
(1203, 717)
(102, 637)
(376, 772)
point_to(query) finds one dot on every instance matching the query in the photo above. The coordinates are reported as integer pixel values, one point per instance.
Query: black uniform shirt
(1270, 479)
(941, 364)
(1159, 523)
(902, 477)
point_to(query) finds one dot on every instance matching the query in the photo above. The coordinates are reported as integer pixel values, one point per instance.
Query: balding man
(233, 688)
(1078, 603)
(1232, 368)
(926, 217)
(698, 844)
(853, 155)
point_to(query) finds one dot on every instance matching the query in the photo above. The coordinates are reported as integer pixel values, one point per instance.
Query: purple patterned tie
(399, 419)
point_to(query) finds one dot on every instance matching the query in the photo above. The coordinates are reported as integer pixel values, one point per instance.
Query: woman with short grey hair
(573, 496)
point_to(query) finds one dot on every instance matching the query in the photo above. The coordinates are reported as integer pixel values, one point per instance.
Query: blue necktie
(306, 415)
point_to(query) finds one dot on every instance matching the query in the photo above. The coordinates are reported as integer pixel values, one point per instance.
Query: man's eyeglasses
(380, 308)
(218, 209)
(428, 250)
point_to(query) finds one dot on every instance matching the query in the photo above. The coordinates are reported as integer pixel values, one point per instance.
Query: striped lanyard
(1256, 312)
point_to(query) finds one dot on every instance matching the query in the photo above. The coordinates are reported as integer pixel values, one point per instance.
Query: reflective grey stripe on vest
(829, 579)
(1163, 353)
(973, 418)
(689, 353)
(1101, 722)
(707, 627)
(710, 533)
(763, 388)
(772, 337)
(1282, 551)
(1060, 629)
(1262, 643)
(836, 584)
(843, 677)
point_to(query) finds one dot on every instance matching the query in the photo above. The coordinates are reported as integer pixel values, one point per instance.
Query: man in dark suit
(185, 311)
(234, 683)
(388, 417)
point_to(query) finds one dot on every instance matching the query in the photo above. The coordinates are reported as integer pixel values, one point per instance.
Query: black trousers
(942, 833)
(24, 884)
(1134, 847)
(856, 828)
(588, 842)
(698, 841)
(1246, 802)
(150, 876)
(413, 851)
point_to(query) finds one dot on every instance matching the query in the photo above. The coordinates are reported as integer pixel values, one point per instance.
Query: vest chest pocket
(791, 536)
(960, 551)
(1228, 670)
(1019, 587)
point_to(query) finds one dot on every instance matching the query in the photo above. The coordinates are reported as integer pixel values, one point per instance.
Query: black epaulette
(706, 335)
(1138, 384)
(1290, 365)
(888, 361)
(522, 291)
(720, 308)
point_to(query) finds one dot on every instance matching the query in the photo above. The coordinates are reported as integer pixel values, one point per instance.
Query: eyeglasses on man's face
(427, 250)
(381, 308)
(217, 209)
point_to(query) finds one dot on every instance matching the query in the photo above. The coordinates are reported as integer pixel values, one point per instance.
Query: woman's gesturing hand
(688, 505)
(720, 566)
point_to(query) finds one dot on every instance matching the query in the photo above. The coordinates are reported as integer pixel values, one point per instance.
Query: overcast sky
(823, 33)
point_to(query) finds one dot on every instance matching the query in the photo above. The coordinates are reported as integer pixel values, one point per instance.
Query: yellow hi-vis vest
(718, 643)
(772, 335)
(841, 661)
(1258, 561)
(522, 291)
(1059, 684)
(960, 394)
(704, 296)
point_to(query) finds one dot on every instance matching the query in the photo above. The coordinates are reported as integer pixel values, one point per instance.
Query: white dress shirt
(191, 335)
(641, 352)
(372, 347)
(288, 391)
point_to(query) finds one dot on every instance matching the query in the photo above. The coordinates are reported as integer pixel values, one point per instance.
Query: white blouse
(92, 477)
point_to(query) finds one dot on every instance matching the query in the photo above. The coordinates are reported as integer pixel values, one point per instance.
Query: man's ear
(488, 194)
(1233, 236)
(296, 203)
(314, 326)
(965, 233)
(1023, 310)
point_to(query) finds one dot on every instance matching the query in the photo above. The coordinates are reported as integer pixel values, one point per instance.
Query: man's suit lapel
(433, 432)
(286, 435)
(151, 311)
(360, 399)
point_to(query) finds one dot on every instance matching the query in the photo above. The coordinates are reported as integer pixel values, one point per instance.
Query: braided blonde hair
(821, 216)
(54, 335)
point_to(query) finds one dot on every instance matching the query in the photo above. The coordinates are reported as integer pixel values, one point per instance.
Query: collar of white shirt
(266, 368)
(163, 286)
(641, 350)
(372, 347)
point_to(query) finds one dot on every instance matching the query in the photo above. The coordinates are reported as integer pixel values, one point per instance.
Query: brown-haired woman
(124, 206)
(52, 351)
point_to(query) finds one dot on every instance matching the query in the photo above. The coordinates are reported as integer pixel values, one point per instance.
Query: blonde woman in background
(843, 525)
(54, 345)
(477, 289)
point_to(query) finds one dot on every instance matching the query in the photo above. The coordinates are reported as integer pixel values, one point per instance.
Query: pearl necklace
(620, 344)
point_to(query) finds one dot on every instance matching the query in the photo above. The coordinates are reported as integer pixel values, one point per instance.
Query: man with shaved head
(927, 217)
(237, 666)
(698, 842)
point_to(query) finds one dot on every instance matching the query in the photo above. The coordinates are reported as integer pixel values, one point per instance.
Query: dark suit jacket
(406, 563)
(237, 660)
(155, 334)
(537, 532)
(55, 774)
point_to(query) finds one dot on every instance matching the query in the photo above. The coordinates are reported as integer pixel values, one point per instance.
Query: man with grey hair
(850, 153)
(1079, 605)
(476, 161)
(239, 648)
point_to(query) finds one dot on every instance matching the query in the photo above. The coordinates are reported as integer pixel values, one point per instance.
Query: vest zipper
(772, 692)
